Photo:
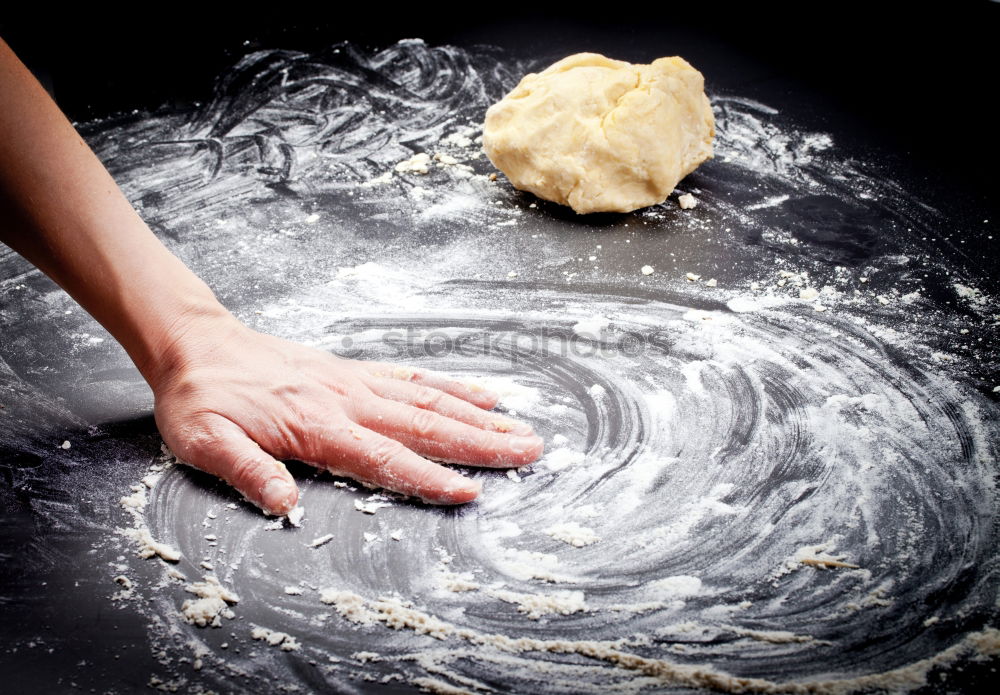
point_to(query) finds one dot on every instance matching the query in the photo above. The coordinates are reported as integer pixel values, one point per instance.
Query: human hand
(233, 402)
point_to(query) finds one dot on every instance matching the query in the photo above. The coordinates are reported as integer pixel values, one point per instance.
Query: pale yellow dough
(602, 135)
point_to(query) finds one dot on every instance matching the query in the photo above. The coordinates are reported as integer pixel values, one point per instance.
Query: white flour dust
(761, 476)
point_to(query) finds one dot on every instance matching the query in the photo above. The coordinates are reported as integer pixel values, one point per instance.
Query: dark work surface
(905, 87)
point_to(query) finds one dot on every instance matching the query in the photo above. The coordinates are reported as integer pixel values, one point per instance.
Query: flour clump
(602, 135)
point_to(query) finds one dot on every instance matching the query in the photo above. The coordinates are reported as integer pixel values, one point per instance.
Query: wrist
(191, 331)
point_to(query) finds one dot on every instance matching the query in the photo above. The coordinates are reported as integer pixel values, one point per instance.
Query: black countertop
(901, 196)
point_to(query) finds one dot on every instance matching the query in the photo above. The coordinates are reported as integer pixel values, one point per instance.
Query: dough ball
(602, 135)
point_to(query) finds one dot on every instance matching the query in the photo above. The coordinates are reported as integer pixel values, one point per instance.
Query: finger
(466, 390)
(360, 453)
(447, 405)
(436, 436)
(223, 449)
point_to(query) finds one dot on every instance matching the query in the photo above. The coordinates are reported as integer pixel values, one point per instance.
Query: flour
(147, 546)
(392, 614)
(814, 556)
(561, 458)
(211, 605)
(321, 540)
(274, 638)
(417, 164)
(535, 606)
(295, 516)
(680, 586)
(780, 406)
(573, 533)
(592, 327)
(370, 506)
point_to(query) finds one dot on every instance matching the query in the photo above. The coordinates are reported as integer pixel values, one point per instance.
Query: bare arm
(228, 400)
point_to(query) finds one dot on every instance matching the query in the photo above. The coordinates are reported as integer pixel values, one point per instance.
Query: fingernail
(513, 427)
(522, 445)
(467, 491)
(278, 495)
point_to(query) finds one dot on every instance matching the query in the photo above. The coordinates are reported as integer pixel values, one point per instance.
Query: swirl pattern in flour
(776, 494)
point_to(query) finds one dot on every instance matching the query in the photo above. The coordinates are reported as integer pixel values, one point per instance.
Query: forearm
(60, 208)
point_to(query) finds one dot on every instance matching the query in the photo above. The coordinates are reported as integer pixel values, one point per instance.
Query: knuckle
(429, 399)
(244, 472)
(200, 442)
(385, 451)
(423, 423)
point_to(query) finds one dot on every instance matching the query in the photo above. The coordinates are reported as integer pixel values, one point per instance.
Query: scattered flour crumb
(212, 603)
(286, 642)
(293, 590)
(366, 657)
(127, 588)
(417, 164)
(393, 612)
(295, 516)
(814, 556)
(148, 547)
(396, 535)
(573, 533)
(368, 506)
(647, 270)
(512, 474)
(677, 587)
(537, 605)
(322, 540)
(445, 159)
(970, 294)
(457, 582)
(66, 444)
(773, 636)
(687, 201)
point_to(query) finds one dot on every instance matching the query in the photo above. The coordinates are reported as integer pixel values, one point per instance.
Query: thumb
(226, 451)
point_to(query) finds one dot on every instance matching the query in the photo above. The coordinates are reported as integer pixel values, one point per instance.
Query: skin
(229, 400)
